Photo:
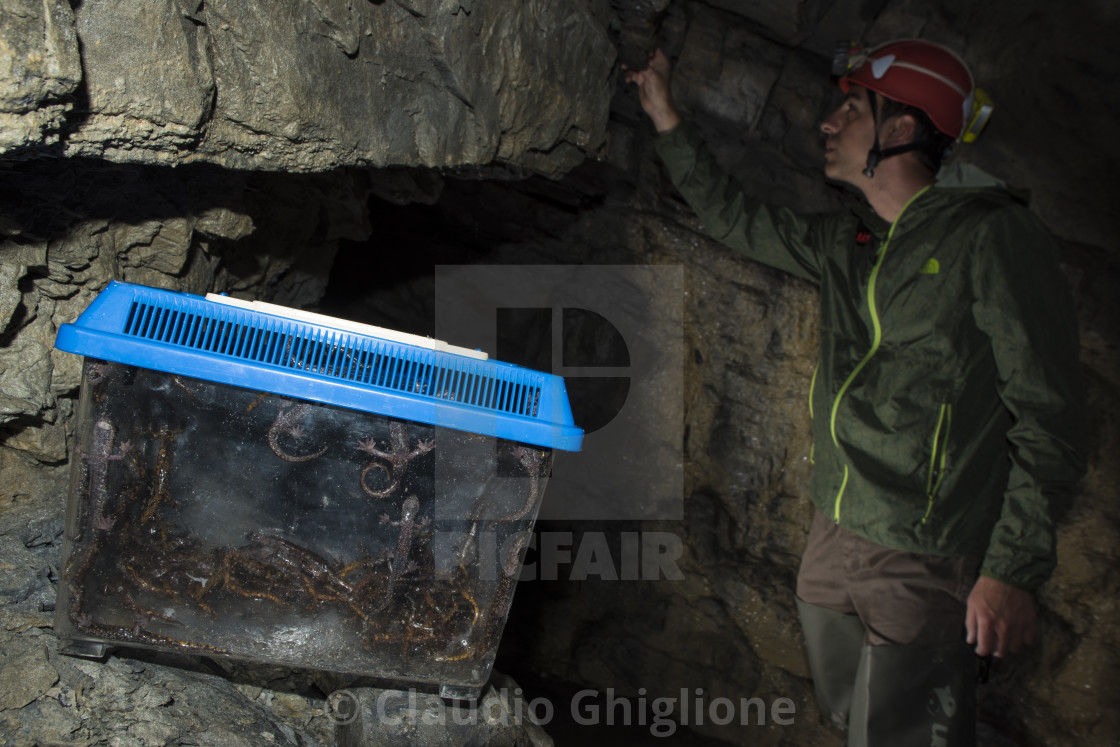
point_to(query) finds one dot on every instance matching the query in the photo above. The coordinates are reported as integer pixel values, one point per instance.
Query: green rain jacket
(947, 402)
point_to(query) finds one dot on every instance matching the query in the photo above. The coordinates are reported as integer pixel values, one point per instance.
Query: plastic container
(298, 491)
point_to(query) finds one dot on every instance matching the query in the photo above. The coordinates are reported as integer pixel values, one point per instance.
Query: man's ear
(899, 130)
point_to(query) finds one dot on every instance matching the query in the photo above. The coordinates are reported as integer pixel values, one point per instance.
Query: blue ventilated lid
(189, 335)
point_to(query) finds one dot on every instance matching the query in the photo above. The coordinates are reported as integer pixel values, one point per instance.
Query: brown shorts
(900, 597)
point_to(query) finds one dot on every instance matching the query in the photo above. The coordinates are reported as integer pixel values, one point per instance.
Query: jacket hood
(964, 182)
(960, 175)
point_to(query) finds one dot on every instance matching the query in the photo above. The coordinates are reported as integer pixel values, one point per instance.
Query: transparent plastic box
(298, 491)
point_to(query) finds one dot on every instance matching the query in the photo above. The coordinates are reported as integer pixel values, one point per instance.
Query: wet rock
(40, 69)
(46, 697)
(312, 86)
(10, 297)
(147, 77)
(21, 573)
(639, 25)
(787, 22)
(25, 372)
(25, 675)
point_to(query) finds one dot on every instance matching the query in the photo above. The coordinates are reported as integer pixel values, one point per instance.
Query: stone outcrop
(307, 86)
(40, 72)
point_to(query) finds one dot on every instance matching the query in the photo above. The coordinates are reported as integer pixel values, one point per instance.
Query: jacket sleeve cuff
(1015, 583)
(681, 140)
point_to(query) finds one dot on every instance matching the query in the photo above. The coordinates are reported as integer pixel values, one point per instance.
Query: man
(946, 403)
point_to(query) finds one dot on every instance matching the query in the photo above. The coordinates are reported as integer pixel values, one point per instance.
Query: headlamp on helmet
(979, 112)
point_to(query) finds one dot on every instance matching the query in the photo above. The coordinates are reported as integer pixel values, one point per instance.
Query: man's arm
(774, 236)
(1022, 303)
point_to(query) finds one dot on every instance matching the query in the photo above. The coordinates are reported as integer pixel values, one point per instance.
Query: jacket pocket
(938, 457)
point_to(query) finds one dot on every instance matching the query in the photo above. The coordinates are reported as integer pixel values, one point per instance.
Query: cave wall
(215, 146)
(306, 86)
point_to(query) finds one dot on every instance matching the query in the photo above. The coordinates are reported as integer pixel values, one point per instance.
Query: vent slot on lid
(336, 355)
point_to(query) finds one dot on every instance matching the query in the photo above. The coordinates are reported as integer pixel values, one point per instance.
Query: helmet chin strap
(877, 153)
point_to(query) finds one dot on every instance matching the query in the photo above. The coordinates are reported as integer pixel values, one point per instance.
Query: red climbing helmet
(918, 73)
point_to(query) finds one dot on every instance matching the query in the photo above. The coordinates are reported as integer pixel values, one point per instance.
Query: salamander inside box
(299, 491)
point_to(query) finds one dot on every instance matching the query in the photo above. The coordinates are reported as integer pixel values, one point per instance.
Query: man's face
(849, 135)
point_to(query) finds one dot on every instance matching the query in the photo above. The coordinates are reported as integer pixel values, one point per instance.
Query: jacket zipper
(877, 338)
(812, 388)
(938, 456)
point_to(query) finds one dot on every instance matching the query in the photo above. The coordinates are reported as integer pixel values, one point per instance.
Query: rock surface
(54, 699)
(308, 86)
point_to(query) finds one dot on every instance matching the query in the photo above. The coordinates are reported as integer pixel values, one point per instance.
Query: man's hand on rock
(653, 92)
